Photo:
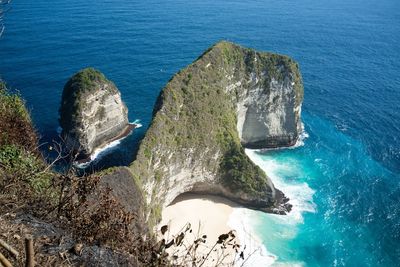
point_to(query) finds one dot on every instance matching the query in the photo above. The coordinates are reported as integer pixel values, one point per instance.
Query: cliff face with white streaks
(92, 112)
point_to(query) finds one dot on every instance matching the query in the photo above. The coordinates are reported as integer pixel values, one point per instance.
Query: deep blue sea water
(344, 181)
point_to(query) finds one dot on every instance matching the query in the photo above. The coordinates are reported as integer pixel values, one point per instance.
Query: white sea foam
(243, 220)
(104, 150)
(302, 137)
(99, 153)
(138, 124)
(255, 253)
(300, 194)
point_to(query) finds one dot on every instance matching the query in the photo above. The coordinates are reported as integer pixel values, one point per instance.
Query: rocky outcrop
(92, 112)
(268, 111)
(228, 98)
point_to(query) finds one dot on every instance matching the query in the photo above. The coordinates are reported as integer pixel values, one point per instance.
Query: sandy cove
(212, 216)
(207, 215)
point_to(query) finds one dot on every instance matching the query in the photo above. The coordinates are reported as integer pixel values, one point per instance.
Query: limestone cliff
(228, 98)
(92, 112)
(268, 109)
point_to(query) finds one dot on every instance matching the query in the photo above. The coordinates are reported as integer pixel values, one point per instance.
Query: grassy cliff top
(276, 66)
(85, 80)
(21, 164)
(16, 125)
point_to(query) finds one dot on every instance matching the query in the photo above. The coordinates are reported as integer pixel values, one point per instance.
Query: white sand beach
(208, 215)
(213, 216)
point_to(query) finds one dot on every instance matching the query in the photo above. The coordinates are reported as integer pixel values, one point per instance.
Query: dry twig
(9, 248)
(4, 261)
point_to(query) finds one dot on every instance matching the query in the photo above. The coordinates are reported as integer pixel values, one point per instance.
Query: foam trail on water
(99, 153)
(299, 193)
(102, 151)
(137, 122)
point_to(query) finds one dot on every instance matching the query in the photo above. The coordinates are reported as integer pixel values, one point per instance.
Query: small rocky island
(92, 113)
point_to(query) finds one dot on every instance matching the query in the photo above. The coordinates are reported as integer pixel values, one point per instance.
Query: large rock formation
(92, 112)
(228, 98)
(268, 110)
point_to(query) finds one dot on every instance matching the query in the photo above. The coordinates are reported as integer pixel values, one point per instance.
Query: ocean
(344, 181)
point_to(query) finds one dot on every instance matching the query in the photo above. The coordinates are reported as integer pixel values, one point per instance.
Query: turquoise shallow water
(346, 204)
(344, 181)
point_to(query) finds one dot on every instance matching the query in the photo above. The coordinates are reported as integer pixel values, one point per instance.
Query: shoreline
(212, 216)
(255, 252)
(199, 209)
(129, 128)
(236, 217)
(208, 216)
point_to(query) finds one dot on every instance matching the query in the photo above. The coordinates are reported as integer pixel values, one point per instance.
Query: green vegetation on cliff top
(19, 155)
(16, 125)
(12, 104)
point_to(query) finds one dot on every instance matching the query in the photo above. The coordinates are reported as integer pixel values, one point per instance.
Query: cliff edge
(92, 112)
(231, 97)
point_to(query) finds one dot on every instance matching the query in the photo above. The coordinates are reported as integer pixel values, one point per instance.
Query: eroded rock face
(92, 112)
(228, 98)
(269, 113)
